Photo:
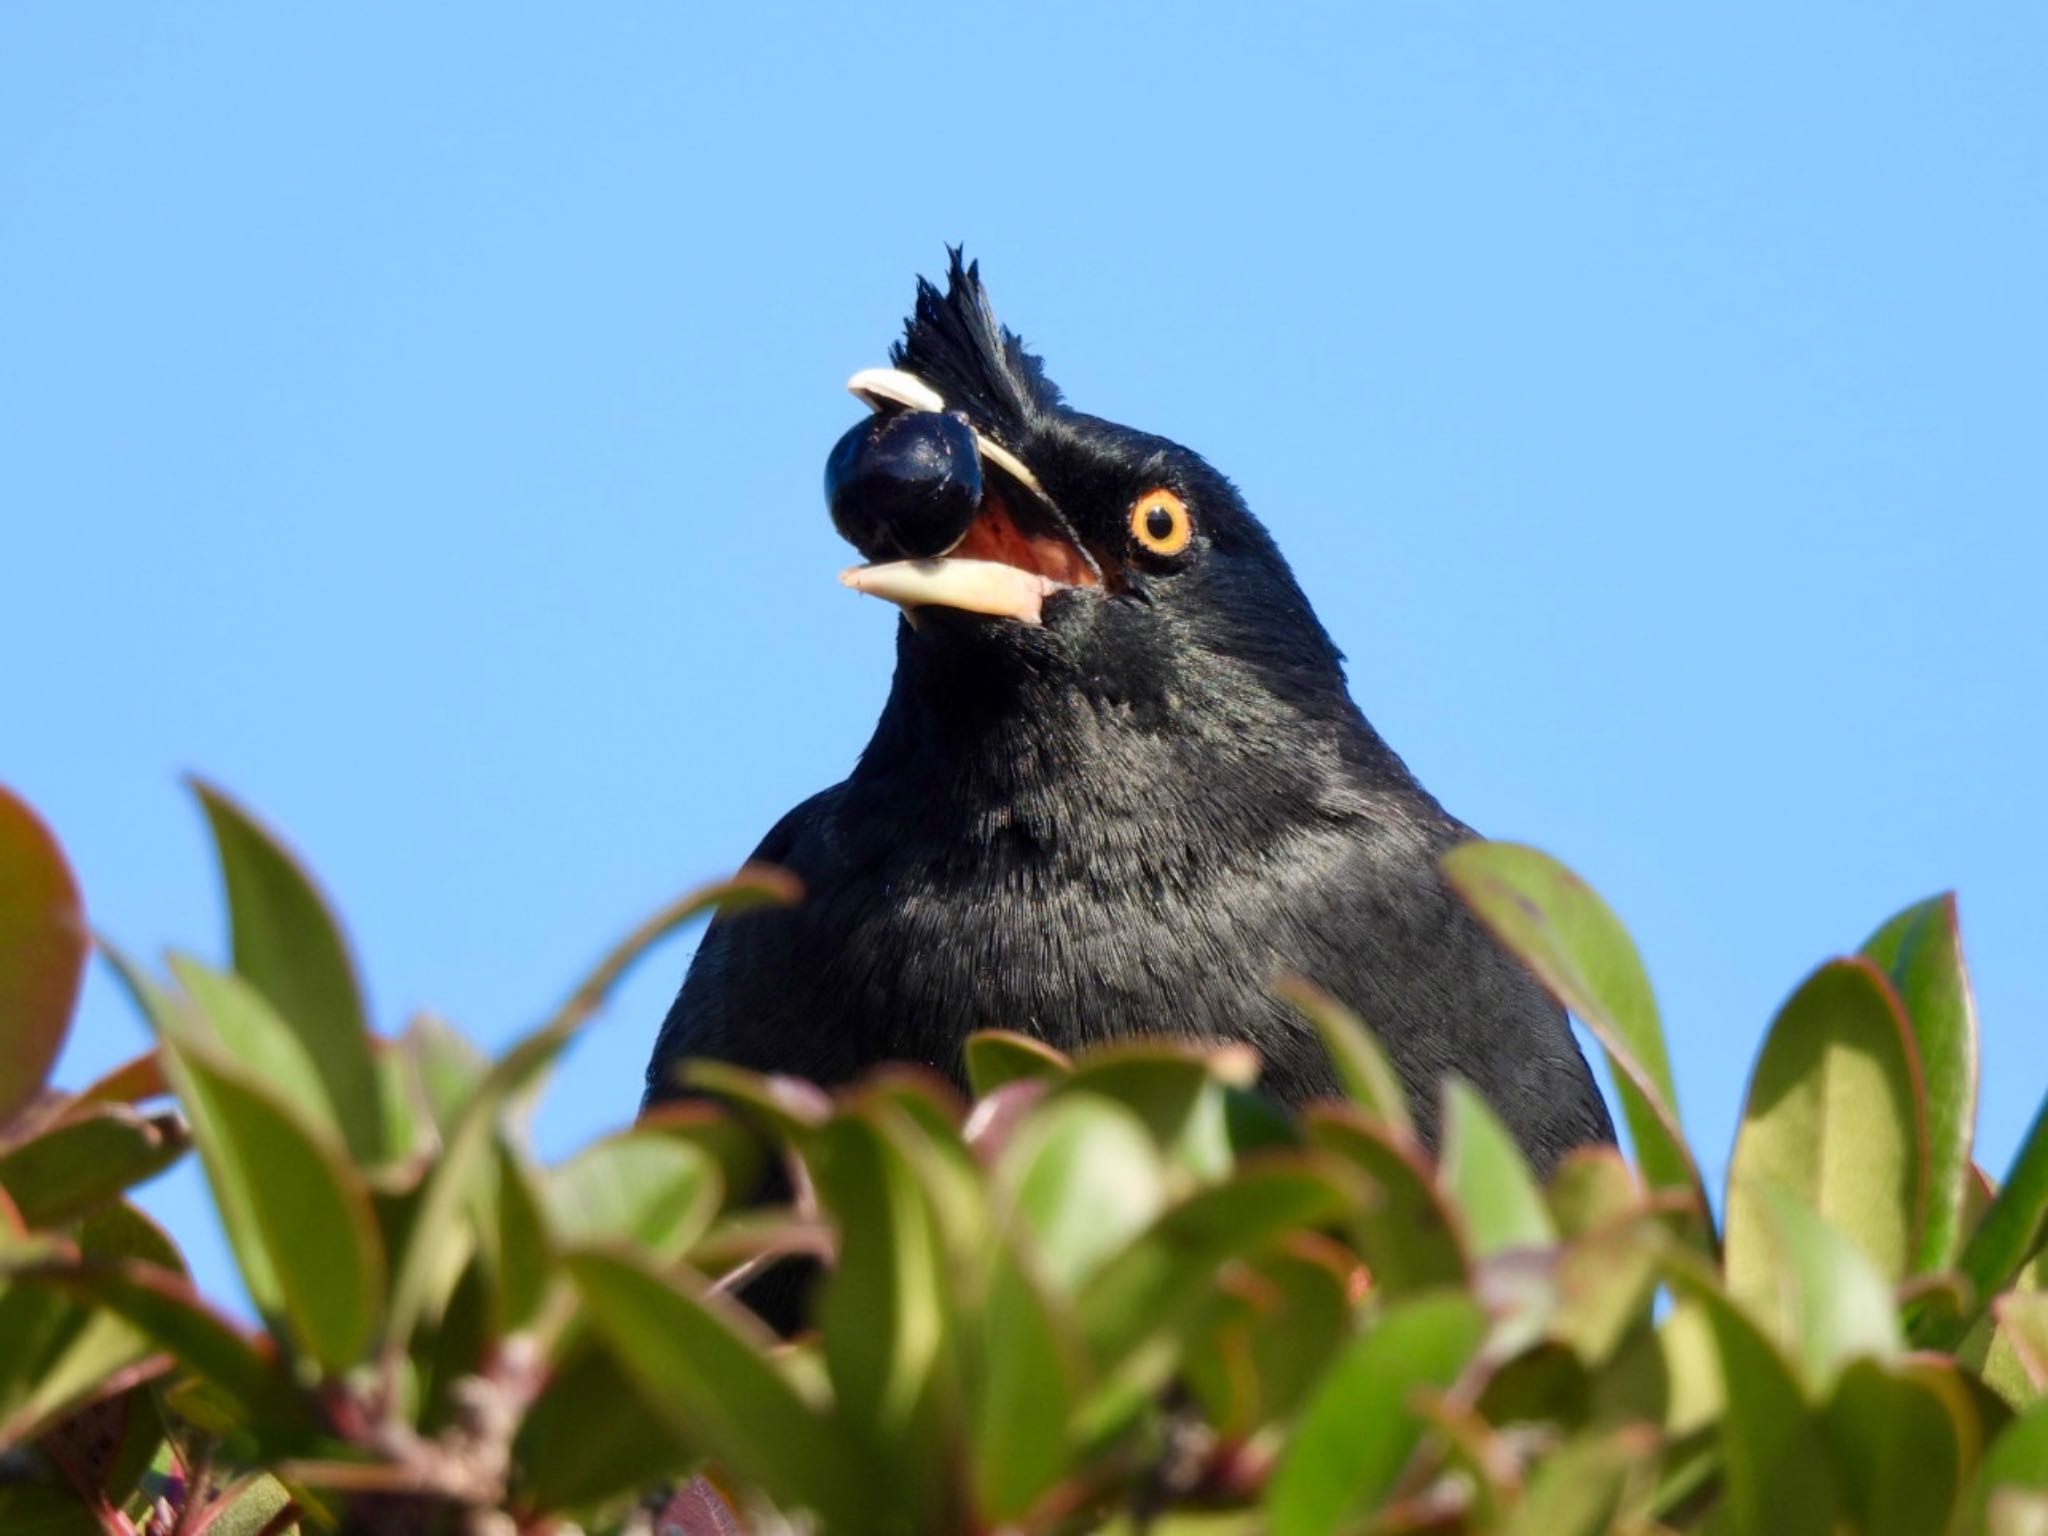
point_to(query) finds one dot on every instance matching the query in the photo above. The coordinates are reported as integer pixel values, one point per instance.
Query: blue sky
(412, 417)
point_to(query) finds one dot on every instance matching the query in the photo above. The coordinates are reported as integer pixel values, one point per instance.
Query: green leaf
(699, 1362)
(58, 1355)
(1271, 1334)
(168, 1019)
(239, 1024)
(1359, 1429)
(1579, 1488)
(788, 1109)
(42, 1509)
(1903, 1445)
(459, 1184)
(43, 943)
(310, 1207)
(2017, 1461)
(882, 1311)
(1921, 951)
(164, 1308)
(251, 1507)
(1369, 1079)
(1409, 1236)
(1833, 1117)
(288, 945)
(1023, 1391)
(450, 1069)
(1561, 929)
(2016, 1225)
(81, 1164)
(1136, 1304)
(1487, 1178)
(1832, 1305)
(515, 1246)
(569, 1458)
(1592, 1188)
(1176, 1089)
(999, 1056)
(2019, 1348)
(1777, 1473)
(1084, 1177)
(656, 1191)
(1604, 1285)
(431, 1262)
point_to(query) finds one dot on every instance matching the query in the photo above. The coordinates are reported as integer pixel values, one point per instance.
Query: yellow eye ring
(1160, 522)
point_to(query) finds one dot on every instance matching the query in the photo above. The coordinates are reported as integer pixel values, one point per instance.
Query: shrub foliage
(1116, 1293)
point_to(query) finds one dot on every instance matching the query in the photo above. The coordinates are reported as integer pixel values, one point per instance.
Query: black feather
(953, 342)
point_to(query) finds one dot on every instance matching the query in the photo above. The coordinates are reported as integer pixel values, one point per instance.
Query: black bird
(1118, 788)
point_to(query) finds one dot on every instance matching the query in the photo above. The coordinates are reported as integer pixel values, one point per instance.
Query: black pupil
(1159, 524)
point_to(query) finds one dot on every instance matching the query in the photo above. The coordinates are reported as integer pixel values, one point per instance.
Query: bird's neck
(990, 752)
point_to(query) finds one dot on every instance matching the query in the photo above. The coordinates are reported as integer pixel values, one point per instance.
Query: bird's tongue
(994, 535)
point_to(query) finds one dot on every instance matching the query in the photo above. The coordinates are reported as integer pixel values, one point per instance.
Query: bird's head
(1019, 534)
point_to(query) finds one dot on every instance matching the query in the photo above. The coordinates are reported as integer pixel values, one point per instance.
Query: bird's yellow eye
(1160, 522)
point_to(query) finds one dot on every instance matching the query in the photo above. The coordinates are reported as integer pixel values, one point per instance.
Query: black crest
(954, 344)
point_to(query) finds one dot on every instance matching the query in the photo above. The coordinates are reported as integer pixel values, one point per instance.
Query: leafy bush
(1116, 1293)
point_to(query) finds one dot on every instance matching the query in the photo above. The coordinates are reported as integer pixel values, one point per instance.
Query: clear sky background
(412, 417)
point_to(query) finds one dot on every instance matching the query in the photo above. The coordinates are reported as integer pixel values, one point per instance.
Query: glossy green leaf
(1370, 1081)
(2022, 1331)
(882, 1313)
(658, 1192)
(45, 1509)
(58, 1355)
(787, 1109)
(699, 1362)
(310, 1207)
(1571, 939)
(1777, 1475)
(1359, 1429)
(1176, 1090)
(288, 945)
(1487, 1179)
(1025, 1383)
(733, 1148)
(252, 1507)
(2016, 1462)
(43, 944)
(1604, 1285)
(569, 1458)
(459, 1185)
(1831, 1304)
(82, 1163)
(164, 1308)
(60, 1351)
(168, 1018)
(448, 1067)
(1148, 1292)
(1592, 1188)
(518, 1250)
(1409, 1236)
(1921, 951)
(996, 1057)
(1834, 1118)
(431, 1260)
(1084, 1177)
(2016, 1225)
(1273, 1330)
(1903, 1446)
(1580, 1488)
(235, 1019)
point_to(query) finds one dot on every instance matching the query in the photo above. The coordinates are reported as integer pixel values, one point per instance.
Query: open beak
(1001, 566)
